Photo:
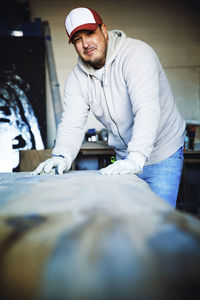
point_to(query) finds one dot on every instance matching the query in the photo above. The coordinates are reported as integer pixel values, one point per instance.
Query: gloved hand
(133, 164)
(62, 164)
(121, 167)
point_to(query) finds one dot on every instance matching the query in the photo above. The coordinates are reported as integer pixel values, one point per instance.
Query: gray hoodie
(133, 100)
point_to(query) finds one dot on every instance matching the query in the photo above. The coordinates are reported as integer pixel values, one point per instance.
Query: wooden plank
(82, 235)
(30, 159)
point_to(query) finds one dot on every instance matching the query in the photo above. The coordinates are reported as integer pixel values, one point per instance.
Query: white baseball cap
(82, 18)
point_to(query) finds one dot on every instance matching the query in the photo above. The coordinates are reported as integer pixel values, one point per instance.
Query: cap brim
(89, 26)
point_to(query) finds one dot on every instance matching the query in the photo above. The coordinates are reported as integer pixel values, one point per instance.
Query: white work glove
(60, 162)
(126, 166)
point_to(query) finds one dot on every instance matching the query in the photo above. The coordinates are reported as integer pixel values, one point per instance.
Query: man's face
(91, 46)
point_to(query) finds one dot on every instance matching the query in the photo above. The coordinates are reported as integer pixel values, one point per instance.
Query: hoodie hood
(116, 39)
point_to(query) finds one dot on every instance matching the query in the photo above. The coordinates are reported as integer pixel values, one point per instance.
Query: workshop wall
(170, 27)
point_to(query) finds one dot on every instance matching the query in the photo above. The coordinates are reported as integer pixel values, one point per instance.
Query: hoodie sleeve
(71, 130)
(141, 71)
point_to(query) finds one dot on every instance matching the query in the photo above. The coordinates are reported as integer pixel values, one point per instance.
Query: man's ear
(105, 31)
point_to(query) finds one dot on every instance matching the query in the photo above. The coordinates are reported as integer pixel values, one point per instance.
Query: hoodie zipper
(103, 86)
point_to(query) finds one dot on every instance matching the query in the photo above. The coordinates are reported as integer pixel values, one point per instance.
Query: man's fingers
(39, 169)
(62, 164)
(125, 172)
(108, 170)
(45, 167)
(114, 171)
(61, 168)
(49, 166)
(120, 167)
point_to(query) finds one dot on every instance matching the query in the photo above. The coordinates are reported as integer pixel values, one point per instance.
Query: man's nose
(85, 41)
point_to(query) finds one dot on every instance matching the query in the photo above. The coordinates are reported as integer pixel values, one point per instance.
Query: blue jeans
(164, 177)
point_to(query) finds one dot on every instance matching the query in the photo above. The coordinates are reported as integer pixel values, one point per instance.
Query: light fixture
(17, 33)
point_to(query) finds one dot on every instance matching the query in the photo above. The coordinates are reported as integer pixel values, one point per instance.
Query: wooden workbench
(85, 236)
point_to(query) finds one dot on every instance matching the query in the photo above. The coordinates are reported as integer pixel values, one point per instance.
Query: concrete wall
(171, 27)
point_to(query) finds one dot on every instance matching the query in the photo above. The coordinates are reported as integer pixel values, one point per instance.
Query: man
(122, 81)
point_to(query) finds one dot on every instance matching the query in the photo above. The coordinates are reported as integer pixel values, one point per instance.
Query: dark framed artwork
(22, 91)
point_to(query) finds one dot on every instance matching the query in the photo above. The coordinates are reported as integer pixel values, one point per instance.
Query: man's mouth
(89, 51)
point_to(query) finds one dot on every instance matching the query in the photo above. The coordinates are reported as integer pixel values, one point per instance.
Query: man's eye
(76, 40)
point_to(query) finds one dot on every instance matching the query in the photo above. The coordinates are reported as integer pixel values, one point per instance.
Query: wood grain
(30, 159)
(82, 235)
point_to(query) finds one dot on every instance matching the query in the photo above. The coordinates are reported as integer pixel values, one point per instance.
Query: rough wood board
(82, 235)
(30, 159)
